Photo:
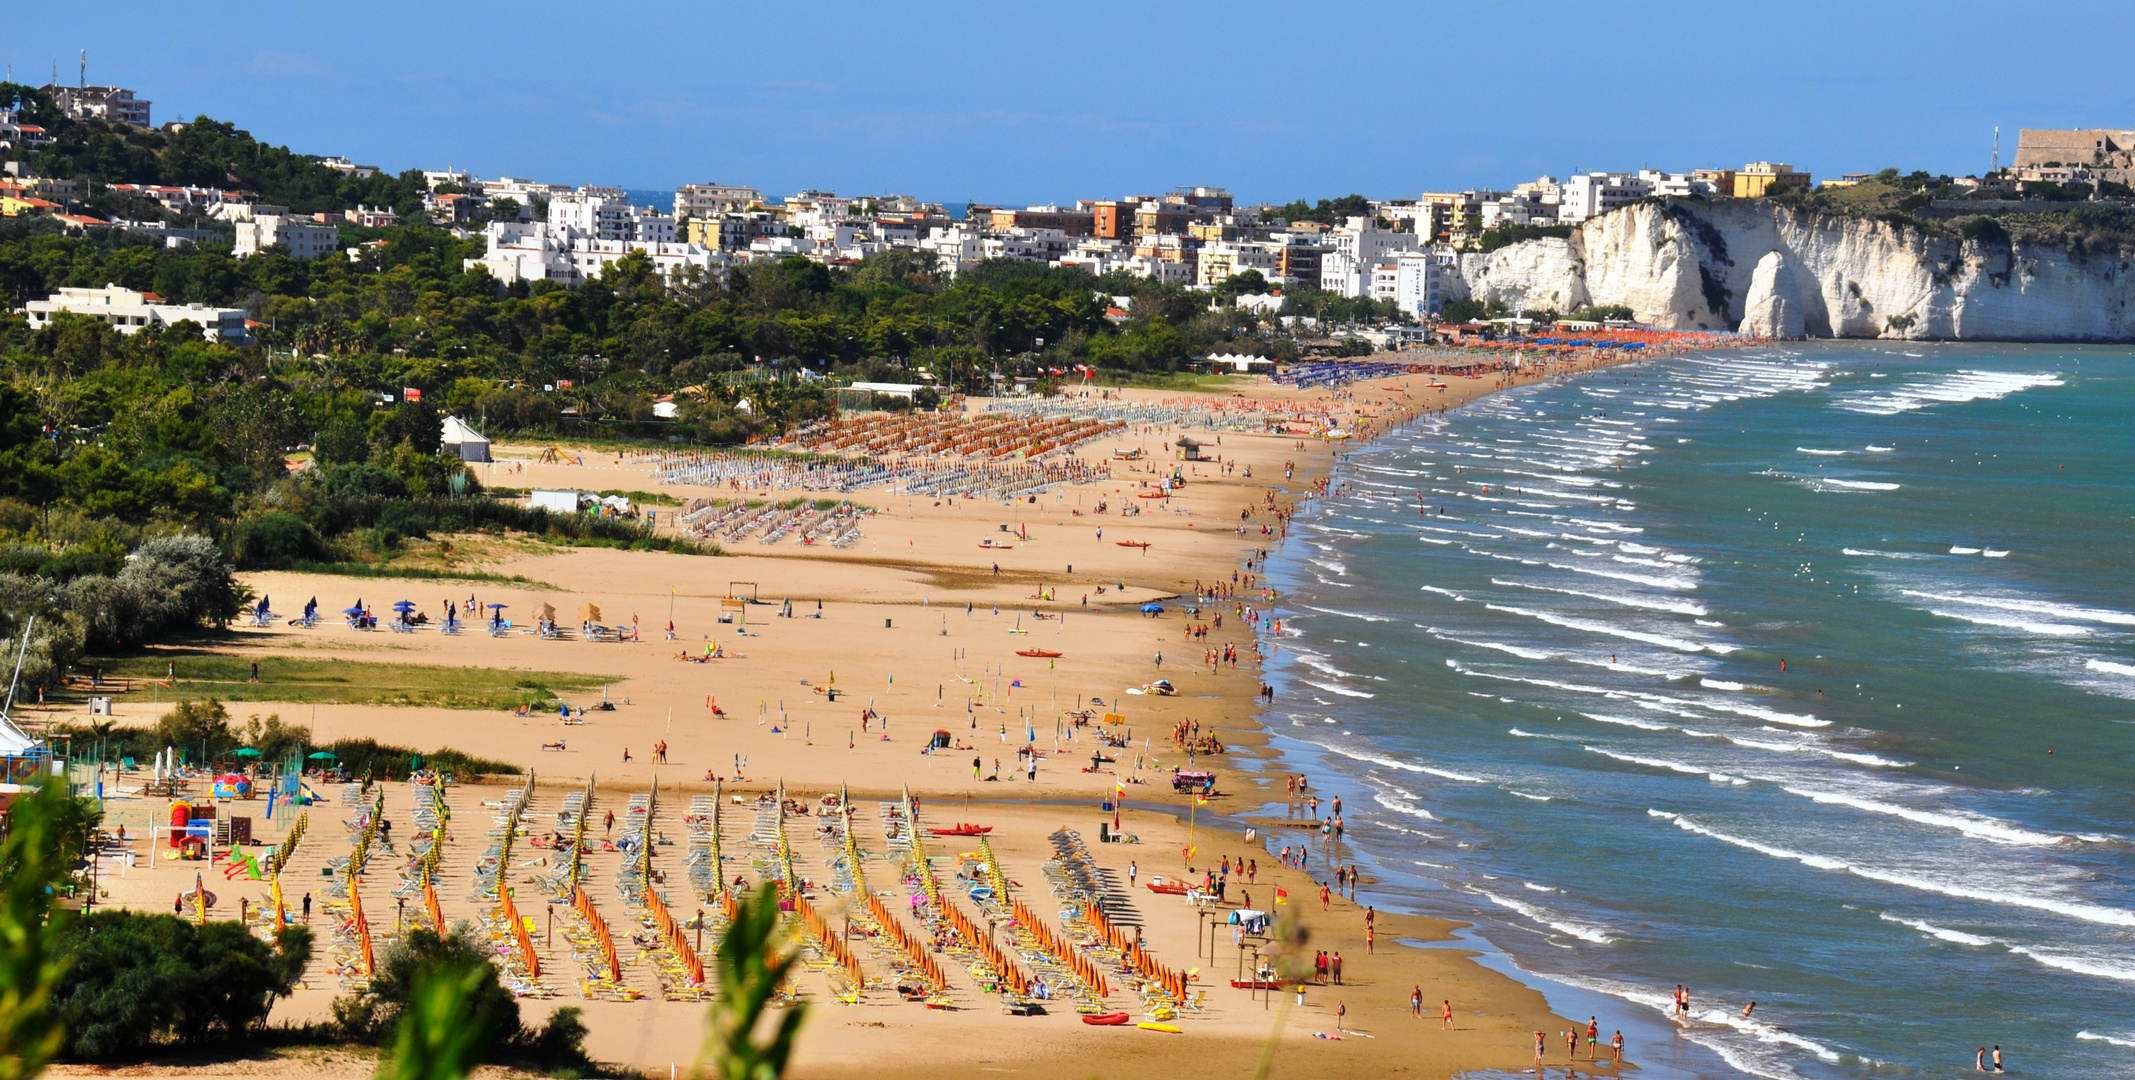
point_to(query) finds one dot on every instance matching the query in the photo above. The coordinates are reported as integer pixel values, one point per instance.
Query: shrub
(275, 541)
(364, 478)
(372, 1014)
(138, 980)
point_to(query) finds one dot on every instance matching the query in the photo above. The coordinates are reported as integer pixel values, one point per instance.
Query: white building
(306, 239)
(956, 248)
(527, 193)
(711, 200)
(595, 216)
(1535, 203)
(1679, 184)
(545, 251)
(128, 312)
(604, 214)
(99, 103)
(1588, 194)
(1357, 245)
(1167, 271)
(1416, 288)
(344, 165)
(1034, 245)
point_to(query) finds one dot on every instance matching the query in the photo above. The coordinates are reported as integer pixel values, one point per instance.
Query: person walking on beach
(1416, 1002)
(977, 764)
(608, 823)
(1541, 1041)
(1571, 1045)
(307, 909)
(1323, 896)
(1593, 1039)
(1445, 1013)
(1341, 1012)
(1616, 1047)
(1132, 870)
(1334, 967)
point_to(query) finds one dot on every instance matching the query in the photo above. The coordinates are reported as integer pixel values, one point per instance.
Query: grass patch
(415, 573)
(203, 674)
(1180, 380)
(367, 757)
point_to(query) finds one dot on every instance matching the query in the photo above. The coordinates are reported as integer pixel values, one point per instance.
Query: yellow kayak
(1172, 1028)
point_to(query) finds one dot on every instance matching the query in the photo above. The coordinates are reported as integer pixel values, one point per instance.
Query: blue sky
(1002, 102)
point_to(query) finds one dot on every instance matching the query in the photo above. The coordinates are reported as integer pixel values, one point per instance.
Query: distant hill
(203, 153)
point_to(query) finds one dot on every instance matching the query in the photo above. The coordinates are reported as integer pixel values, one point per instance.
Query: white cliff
(1773, 269)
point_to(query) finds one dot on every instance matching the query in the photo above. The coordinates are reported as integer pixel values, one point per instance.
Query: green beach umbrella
(247, 752)
(318, 754)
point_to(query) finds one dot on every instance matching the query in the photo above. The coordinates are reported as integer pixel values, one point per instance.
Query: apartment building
(129, 312)
(604, 214)
(711, 200)
(1416, 285)
(733, 230)
(527, 193)
(1164, 217)
(1073, 222)
(1589, 194)
(545, 251)
(956, 248)
(115, 103)
(304, 238)
(1354, 248)
(1221, 259)
(1753, 180)
(1113, 219)
(1032, 245)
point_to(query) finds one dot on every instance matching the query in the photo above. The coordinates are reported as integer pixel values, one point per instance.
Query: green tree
(42, 843)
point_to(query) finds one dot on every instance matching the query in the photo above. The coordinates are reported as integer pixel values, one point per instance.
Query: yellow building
(1755, 178)
(15, 204)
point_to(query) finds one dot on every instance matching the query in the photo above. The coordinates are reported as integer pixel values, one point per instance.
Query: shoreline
(917, 595)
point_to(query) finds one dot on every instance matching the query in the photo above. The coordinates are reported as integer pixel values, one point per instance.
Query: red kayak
(1036, 652)
(1143, 544)
(963, 830)
(1256, 984)
(1106, 1019)
(1168, 888)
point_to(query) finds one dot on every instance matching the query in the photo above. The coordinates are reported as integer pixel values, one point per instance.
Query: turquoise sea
(1802, 676)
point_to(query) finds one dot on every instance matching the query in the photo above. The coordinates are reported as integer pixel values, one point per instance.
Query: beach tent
(589, 613)
(469, 444)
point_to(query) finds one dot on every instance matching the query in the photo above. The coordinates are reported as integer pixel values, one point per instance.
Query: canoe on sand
(1107, 1019)
(1146, 1026)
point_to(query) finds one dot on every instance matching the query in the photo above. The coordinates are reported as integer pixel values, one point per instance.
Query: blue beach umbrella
(1152, 608)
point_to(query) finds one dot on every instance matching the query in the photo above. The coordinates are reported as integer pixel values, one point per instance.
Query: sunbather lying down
(557, 745)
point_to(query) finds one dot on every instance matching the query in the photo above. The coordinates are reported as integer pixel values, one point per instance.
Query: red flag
(410, 393)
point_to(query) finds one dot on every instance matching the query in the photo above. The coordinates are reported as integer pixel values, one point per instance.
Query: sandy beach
(919, 629)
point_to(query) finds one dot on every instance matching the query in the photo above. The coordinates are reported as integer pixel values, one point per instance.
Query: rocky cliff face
(1771, 269)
